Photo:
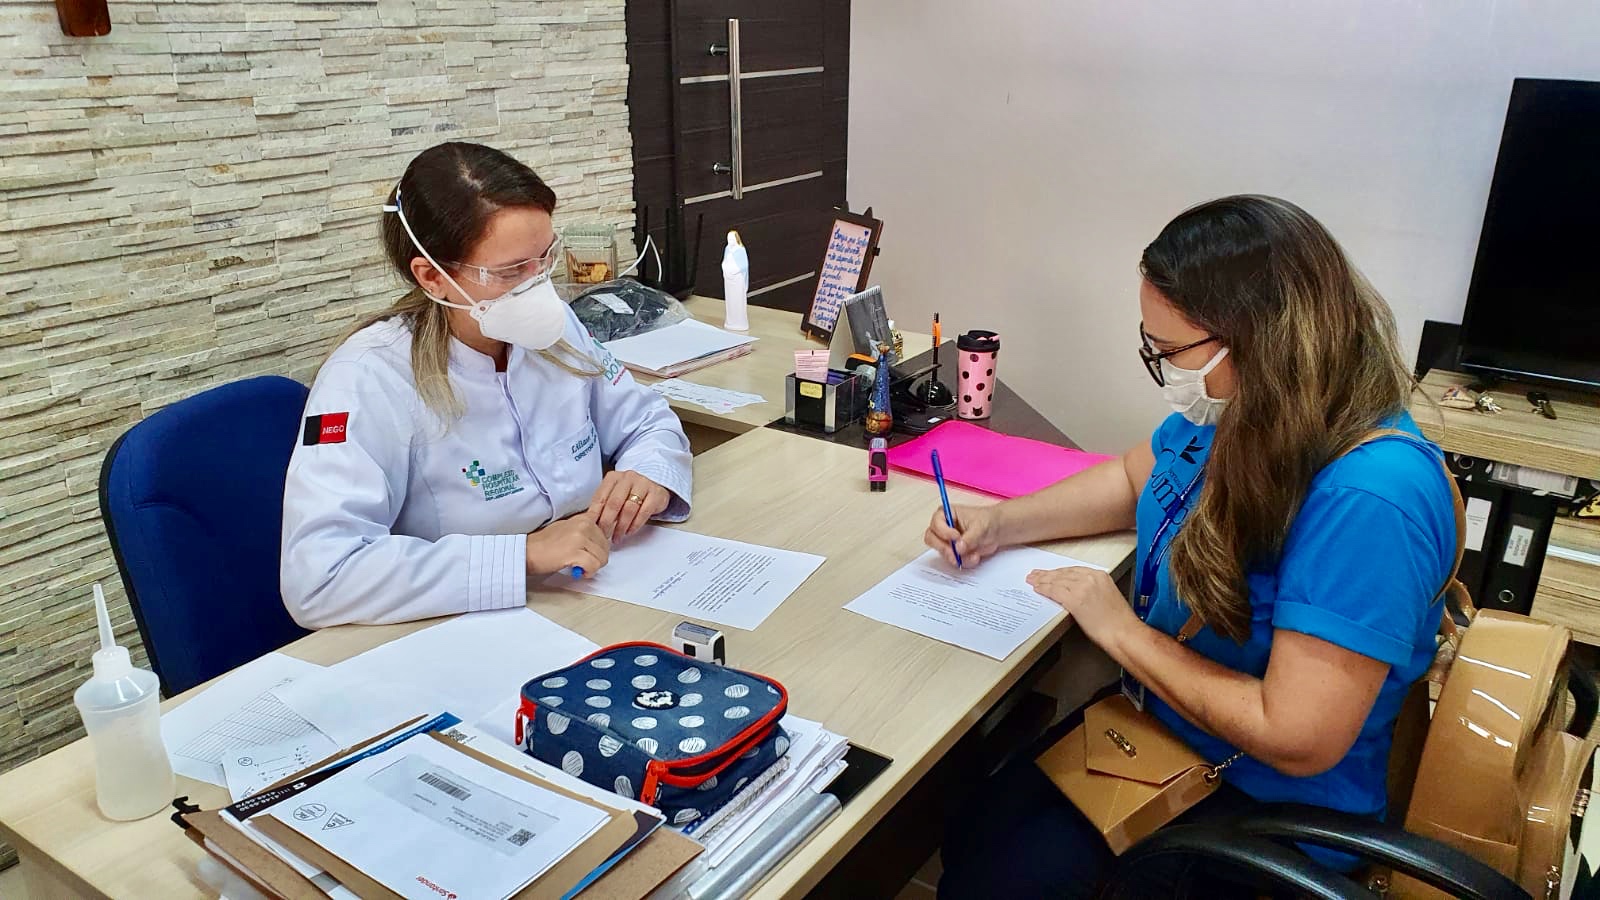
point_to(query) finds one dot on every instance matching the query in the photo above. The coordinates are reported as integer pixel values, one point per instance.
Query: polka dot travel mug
(977, 354)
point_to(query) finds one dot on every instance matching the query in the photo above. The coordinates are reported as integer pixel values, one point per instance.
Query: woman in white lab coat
(473, 435)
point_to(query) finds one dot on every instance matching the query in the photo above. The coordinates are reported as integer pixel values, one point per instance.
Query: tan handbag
(1127, 773)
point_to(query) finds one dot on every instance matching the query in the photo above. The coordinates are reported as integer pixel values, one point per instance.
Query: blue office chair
(192, 499)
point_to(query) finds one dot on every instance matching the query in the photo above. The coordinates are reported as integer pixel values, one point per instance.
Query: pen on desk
(944, 497)
(935, 337)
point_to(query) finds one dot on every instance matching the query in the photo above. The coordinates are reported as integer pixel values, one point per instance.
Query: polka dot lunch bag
(648, 722)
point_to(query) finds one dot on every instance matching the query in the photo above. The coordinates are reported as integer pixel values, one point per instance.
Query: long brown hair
(450, 192)
(1318, 365)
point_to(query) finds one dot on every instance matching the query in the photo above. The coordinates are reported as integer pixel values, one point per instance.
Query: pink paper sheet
(983, 460)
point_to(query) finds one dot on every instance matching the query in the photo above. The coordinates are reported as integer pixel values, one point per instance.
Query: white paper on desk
(719, 400)
(423, 814)
(468, 665)
(240, 710)
(667, 347)
(250, 769)
(990, 608)
(713, 579)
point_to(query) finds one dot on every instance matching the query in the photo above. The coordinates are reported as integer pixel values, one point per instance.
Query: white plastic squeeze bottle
(121, 709)
(736, 283)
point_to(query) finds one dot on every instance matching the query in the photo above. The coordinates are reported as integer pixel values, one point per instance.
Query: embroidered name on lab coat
(585, 447)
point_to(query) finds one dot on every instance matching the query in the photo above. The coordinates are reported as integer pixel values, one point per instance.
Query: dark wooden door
(774, 170)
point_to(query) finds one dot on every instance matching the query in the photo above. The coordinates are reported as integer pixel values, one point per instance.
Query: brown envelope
(650, 864)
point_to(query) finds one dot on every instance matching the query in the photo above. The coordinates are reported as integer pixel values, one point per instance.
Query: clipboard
(653, 860)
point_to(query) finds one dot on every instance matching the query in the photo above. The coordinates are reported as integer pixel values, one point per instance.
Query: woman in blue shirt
(1315, 568)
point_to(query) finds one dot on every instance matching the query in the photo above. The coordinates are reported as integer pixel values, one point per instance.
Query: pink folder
(983, 460)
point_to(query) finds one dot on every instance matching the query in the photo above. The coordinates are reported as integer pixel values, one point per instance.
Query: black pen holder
(825, 407)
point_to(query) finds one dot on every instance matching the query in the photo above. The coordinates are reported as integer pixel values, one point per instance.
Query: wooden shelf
(1569, 584)
(1569, 589)
(1569, 445)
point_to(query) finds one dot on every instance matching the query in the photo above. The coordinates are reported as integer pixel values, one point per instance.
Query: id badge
(1133, 689)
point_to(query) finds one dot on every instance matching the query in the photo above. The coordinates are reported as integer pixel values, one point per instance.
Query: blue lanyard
(1152, 558)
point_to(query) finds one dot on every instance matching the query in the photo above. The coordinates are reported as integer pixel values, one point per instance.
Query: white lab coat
(398, 517)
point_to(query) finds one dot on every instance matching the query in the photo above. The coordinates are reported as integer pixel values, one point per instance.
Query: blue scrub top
(1362, 566)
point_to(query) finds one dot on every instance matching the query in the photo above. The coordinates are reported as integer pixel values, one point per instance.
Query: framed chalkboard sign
(846, 266)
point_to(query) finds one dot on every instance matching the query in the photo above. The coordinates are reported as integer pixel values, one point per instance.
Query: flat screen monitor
(1533, 308)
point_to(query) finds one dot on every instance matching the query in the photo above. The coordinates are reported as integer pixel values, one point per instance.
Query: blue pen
(944, 497)
(576, 572)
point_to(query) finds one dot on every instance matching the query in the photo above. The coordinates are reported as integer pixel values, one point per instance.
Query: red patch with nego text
(328, 428)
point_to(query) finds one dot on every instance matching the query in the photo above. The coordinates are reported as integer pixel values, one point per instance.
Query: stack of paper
(430, 809)
(814, 759)
(424, 813)
(241, 713)
(679, 349)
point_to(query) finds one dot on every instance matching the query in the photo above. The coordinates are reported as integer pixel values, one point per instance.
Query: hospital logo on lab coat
(502, 484)
(610, 369)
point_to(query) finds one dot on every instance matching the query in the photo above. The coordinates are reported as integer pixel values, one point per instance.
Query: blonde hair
(1318, 365)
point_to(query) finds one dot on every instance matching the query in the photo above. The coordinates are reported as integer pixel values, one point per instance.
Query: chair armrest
(1429, 861)
(1256, 857)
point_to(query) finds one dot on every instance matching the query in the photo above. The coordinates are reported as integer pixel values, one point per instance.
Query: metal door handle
(735, 112)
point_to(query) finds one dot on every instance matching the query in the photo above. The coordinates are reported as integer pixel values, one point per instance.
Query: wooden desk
(761, 372)
(903, 695)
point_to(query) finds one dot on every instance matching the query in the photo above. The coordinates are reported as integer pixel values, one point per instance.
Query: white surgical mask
(1185, 391)
(530, 315)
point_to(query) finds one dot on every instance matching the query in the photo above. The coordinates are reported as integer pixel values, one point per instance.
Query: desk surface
(1568, 444)
(903, 695)
(761, 372)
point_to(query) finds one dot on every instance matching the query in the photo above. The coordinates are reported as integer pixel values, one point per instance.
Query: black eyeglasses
(1152, 359)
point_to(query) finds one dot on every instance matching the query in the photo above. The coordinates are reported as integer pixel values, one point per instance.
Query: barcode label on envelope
(469, 809)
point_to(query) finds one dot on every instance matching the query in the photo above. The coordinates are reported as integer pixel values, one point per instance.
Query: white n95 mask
(1185, 391)
(530, 315)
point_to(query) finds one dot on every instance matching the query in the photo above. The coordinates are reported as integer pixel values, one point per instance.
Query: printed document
(707, 578)
(990, 608)
(721, 401)
(240, 710)
(425, 820)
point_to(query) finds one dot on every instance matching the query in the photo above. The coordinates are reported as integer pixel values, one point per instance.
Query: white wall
(1023, 152)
